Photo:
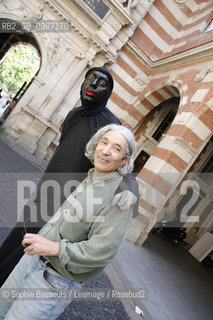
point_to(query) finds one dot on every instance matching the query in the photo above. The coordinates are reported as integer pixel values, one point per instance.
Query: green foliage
(19, 65)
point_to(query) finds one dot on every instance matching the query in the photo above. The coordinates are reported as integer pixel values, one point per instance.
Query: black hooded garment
(77, 131)
(79, 126)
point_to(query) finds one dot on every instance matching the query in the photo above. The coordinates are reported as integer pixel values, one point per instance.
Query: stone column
(70, 78)
(68, 81)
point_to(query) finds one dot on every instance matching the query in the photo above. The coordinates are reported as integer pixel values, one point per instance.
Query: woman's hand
(36, 244)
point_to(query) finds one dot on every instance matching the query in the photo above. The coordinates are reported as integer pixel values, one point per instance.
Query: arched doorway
(152, 127)
(20, 61)
(8, 39)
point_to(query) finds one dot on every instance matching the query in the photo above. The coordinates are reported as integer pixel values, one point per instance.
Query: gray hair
(131, 145)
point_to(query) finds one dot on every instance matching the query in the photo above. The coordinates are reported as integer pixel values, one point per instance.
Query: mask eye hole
(91, 77)
(102, 83)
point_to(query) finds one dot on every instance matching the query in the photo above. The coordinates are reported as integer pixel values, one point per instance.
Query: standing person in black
(79, 126)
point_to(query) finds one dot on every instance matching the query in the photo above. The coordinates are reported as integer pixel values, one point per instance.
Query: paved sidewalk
(177, 286)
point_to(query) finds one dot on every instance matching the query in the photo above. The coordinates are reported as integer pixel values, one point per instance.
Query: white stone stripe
(124, 94)
(144, 212)
(199, 95)
(210, 104)
(154, 37)
(152, 196)
(163, 22)
(141, 108)
(197, 27)
(131, 82)
(122, 114)
(173, 91)
(193, 6)
(126, 77)
(200, 16)
(189, 120)
(174, 9)
(130, 62)
(164, 94)
(180, 44)
(154, 101)
(121, 73)
(163, 169)
(172, 144)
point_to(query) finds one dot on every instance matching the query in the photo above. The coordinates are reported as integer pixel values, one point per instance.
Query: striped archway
(172, 157)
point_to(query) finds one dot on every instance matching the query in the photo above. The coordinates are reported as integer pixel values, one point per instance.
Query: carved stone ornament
(142, 79)
(54, 52)
(202, 74)
(36, 15)
(129, 4)
(181, 2)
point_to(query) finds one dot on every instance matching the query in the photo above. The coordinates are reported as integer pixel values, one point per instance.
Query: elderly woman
(68, 160)
(82, 237)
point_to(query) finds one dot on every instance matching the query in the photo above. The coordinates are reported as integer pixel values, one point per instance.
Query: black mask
(96, 88)
(93, 101)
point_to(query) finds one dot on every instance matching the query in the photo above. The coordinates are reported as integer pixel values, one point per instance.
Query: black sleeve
(64, 125)
(129, 183)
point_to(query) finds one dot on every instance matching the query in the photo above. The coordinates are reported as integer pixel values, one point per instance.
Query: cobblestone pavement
(13, 166)
(88, 309)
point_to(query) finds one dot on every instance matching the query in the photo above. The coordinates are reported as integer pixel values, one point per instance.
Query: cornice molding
(179, 59)
(55, 9)
(119, 12)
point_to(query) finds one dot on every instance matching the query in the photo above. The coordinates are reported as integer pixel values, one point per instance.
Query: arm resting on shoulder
(127, 194)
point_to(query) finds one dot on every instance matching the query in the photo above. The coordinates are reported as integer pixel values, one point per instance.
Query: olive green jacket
(90, 230)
